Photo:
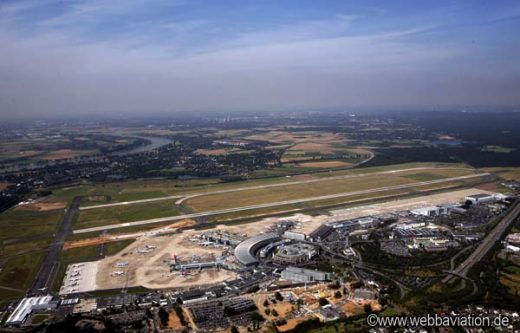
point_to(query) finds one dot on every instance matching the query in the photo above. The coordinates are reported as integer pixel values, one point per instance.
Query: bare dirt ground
(152, 270)
(172, 228)
(216, 152)
(59, 154)
(41, 205)
(355, 307)
(490, 187)
(405, 204)
(313, 147)
(174, 322)
(361, 151)
(282, 307)
(308, 223)
(324, 164)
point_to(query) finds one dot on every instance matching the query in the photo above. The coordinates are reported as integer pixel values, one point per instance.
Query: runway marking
(182, 197)
(275, 204)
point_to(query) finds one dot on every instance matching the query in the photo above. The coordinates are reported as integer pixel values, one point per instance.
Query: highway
(182, 197)
(485, 246)
(275, 204)
(43, 280)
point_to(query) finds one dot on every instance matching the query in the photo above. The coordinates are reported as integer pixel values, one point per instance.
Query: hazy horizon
(117, 58)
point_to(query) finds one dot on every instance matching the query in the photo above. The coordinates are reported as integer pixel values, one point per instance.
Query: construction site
(168, 257)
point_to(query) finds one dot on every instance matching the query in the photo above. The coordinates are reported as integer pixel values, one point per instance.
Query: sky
(101, 57)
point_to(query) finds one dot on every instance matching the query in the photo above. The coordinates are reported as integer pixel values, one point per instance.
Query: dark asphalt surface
(43, 281)
(485, 246)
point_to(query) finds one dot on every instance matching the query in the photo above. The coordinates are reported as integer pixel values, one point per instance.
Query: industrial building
(367, 222)
(321, 233)
(294, 235)
(223, 237)
(27, 306)
(364, 294)
(245, 252)
(481, 198)
(431, 211)
(197, 265)
(414, 232)
(297, 274)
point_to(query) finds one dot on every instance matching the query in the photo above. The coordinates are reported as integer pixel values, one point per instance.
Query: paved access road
(279, 203)
(486, 245)
(43, 280)
(183, 197)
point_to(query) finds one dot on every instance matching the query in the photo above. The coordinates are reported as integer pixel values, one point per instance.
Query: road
(275, 204)
(183, 197)
(43, 280)
(485, 246)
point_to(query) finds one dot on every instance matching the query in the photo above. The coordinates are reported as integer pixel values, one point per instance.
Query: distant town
(236, 224)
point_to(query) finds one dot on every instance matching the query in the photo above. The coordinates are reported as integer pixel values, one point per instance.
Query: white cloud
(303, 65)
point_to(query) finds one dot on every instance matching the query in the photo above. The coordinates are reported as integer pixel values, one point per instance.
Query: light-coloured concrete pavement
(275, 204)
(182, 197)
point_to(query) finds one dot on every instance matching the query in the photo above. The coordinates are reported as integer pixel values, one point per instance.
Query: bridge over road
(486, 245)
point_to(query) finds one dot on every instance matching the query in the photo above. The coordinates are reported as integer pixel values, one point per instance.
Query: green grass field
(145, 189)
(126, 213)
(157, 209)
(18, 273)
(24, 238)
(20, 224)
(86, 253)
(508, 173)
(325, 187)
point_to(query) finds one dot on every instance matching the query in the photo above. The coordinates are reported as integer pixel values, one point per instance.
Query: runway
(123, 203)
(43, 280)
(182, 197)
(275, 204)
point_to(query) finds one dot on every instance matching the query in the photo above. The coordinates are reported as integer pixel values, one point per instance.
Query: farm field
(324, 164)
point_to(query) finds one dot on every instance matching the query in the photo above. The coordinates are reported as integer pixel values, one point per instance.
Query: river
(156, 142)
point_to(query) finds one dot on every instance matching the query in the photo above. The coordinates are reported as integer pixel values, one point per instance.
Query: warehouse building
(321, 233)
(294, 235)
(197, 265)
(481, 198)
(297, 274)
(431, 211)
(27, 306)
